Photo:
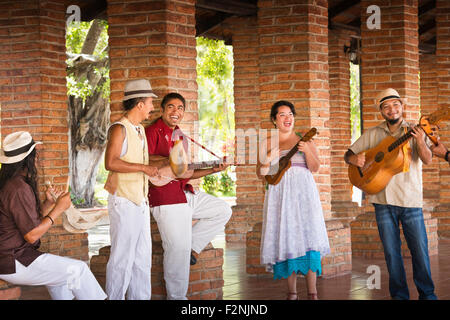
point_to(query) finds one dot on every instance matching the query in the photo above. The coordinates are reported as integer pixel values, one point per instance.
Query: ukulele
(179, 168)
(285, 162)
(386, 159)
(430, 123)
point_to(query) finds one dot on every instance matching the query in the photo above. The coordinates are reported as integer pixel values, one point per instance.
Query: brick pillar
(9, 291)
(443, 98)
(429, 104)
(341, 194)
(249, 189)
(293, 58)
(156, 40)
(33, 98)
(390, 58)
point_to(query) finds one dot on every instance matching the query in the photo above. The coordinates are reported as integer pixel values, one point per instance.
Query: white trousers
(179, 237)
(129, 265)
(65, 278)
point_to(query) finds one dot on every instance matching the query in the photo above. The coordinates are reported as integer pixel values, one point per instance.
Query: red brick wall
(340, 109)
(428, 104)
(8, 291)
(390, 57)
(249, 189)
(33, 97)
(342, 206)
(294, 66)
(154, 40)
(443, 98)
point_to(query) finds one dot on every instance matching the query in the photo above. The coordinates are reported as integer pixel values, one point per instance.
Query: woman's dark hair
(276, 105)
(170, 96)
(10, 170)
(131, 103)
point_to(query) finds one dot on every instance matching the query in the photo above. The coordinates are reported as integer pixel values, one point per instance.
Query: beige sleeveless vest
(132, 186)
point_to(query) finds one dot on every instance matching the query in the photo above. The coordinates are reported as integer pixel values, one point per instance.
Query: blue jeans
(388, 218)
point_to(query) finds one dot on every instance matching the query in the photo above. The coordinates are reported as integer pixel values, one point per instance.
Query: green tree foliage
(215, 94)
(75, 36)
(355, 109)
(216, 108)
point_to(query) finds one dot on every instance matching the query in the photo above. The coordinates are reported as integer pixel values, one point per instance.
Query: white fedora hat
(388, 94)
(17, 146)
(140, 88)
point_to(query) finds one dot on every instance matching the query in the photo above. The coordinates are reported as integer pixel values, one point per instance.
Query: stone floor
(240, 286)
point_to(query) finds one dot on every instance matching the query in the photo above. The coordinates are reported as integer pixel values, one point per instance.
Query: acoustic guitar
(285, 162)
(387, 159)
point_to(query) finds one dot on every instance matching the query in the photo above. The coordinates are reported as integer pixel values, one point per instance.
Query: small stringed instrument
(386, 159)
(430, 123)
(285, 162)
(166, 174)
(178, 167)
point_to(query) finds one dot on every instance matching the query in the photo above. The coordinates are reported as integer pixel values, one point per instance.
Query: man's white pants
(179, 237)
(65, 278)
(130, 261)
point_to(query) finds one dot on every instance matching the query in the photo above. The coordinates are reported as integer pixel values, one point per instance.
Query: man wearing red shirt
(176, 204)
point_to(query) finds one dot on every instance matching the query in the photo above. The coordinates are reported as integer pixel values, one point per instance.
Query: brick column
(293, 58)
(443, 98)
(9, 291)
(342, 206)
(33, 98)
(155, 40)
(249, 189)
(429, 104)
(390, 58)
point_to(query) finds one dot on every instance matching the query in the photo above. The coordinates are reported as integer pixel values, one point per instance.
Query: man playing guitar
(175, 205)
(401, 200)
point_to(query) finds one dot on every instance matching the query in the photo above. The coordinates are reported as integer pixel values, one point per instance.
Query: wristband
(446, 155)
(47, 216)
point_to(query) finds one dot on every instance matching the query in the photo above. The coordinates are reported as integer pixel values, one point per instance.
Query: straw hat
(388, 94)
(17, 146)
(140, 88)
(79, 221)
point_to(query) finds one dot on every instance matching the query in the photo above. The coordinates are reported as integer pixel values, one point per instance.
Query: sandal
(312, 296)
(290, 295)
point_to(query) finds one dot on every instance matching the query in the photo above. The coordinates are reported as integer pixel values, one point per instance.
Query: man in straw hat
(23, 221)
(176, 204)
(126, 157)
(401, 200)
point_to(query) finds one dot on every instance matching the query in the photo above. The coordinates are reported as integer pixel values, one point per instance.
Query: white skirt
(293, 220)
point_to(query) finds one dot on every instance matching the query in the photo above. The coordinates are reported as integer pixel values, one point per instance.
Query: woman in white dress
(294, 235)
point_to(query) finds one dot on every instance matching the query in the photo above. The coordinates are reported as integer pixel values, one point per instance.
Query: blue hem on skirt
(310, 261)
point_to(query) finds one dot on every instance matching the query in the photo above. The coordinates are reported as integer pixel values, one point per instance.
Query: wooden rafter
(230, 6)
(341, 7)
(211, 23)
(430, 5)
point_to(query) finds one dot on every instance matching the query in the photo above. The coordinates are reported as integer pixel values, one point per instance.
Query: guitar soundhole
(379, 157)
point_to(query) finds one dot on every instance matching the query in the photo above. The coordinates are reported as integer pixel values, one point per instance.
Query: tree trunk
(89, 121)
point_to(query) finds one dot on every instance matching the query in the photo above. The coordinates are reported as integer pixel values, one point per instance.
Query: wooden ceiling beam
(230, 6)
(94, 10)
(431, 24)
(341, 7)
(430, 5)
(217, 19)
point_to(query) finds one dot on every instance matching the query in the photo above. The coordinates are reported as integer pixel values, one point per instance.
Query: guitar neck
(291, 152)
(204, 164)
(400, 141)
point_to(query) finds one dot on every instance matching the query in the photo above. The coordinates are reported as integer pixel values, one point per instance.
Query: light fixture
(353, 51)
